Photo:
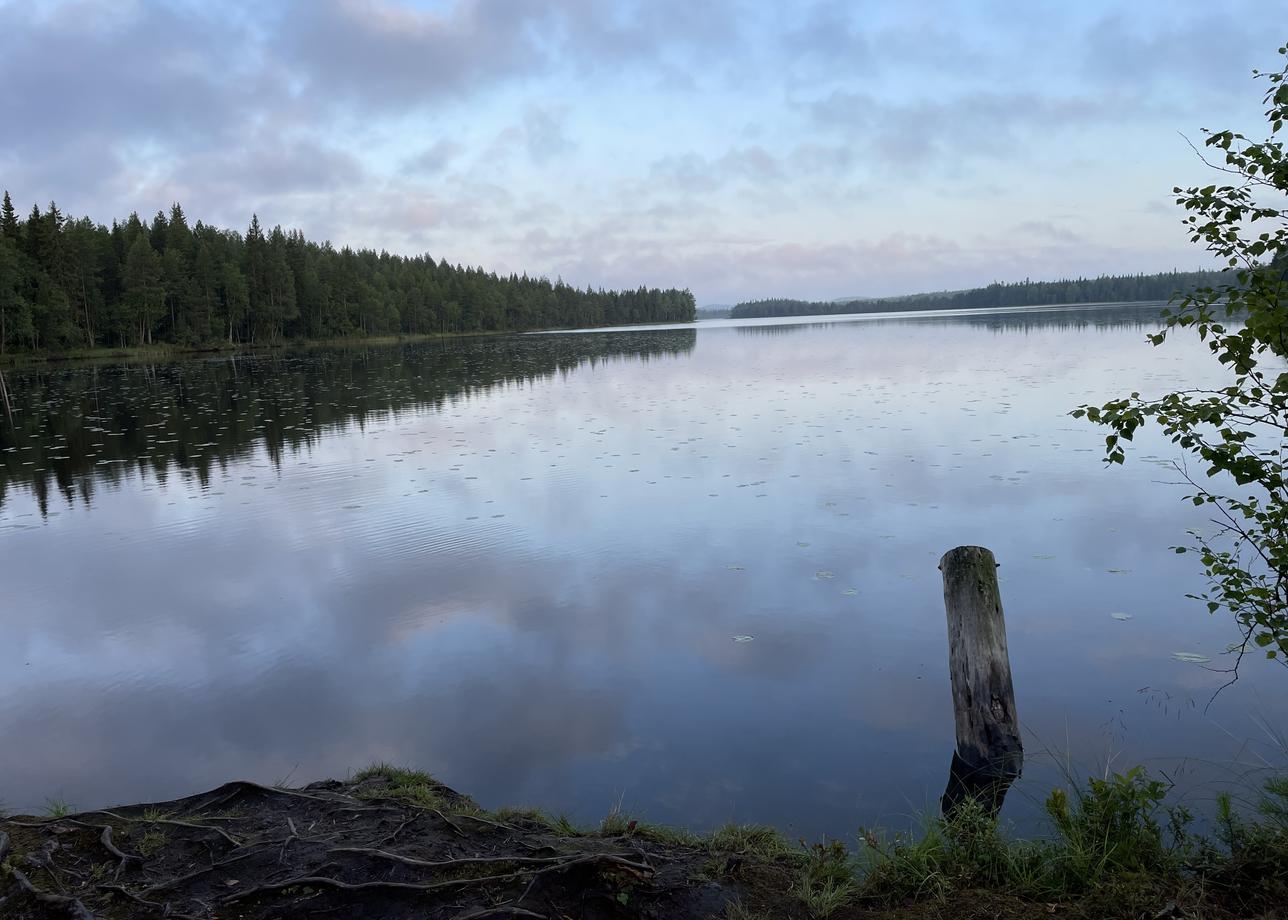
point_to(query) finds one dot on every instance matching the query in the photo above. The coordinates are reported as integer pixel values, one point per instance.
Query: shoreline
(392, 843)
(171, 352)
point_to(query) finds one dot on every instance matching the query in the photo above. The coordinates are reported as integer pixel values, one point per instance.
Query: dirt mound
(344, 850)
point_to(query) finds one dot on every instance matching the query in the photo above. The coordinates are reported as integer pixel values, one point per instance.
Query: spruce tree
(8, 219)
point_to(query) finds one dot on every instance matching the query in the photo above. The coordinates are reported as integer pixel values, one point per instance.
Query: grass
(827, 881)
(1116, 847)
(1114, 841)
(560, 825)
(411, 787)
(736, 910)
(57, 808)
(151, 841)
(618, 823)
(749, 840)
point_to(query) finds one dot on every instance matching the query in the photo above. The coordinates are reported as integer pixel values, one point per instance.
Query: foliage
(1116, 844)
(1112, 827)
(1105, 289)
(827, 881)
(70, 283)
(1235, 431)
(964, 850)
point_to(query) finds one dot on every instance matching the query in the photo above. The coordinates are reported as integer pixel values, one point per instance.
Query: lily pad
(1192, 657)
(823, 573)
(1121, 616)
(743, 638)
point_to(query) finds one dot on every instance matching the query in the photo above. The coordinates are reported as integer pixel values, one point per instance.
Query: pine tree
(176, 269)
(143, 292)
(15, 312)
(8, 219)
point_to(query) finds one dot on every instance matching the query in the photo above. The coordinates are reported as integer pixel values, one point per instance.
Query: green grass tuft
(412, 787)
(151, 841)
(827, 881)
(618, 823)
(393, 774)
(57, 808)
(757, 840)
(512, 814)
(736, 910)
(562, 825)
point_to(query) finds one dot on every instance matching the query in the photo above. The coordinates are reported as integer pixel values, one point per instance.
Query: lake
(690, 570)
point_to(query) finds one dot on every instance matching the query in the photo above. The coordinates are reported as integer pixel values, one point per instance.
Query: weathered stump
(989, 755)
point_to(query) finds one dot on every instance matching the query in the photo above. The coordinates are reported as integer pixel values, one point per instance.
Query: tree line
(1026, 293)
(69, 283)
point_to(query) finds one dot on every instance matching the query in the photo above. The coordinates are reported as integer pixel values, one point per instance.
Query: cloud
(383, 54)
(1046, 229)
(916, 134)
(137, 70)
(1205, 53)
(692, 172)
(544, 133)
(828, 40)
(507, 133)
(433, 159)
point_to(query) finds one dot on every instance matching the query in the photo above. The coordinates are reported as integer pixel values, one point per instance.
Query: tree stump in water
(989, 753)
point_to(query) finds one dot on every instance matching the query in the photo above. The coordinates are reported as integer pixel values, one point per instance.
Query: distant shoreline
(167, 352)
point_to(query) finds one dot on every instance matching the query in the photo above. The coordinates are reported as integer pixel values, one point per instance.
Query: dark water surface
(523, 564)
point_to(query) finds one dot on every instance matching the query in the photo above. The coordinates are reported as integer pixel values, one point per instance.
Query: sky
(741, 149)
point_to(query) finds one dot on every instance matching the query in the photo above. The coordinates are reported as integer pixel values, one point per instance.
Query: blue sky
(742, 149)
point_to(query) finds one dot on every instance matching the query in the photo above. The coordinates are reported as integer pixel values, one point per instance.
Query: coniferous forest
(69, 283)
(1105, 289)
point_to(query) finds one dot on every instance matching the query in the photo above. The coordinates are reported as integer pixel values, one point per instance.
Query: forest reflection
(77, 429)
(1111, 316)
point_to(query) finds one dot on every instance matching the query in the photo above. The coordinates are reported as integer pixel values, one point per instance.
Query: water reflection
(521, 564)
(75, 429)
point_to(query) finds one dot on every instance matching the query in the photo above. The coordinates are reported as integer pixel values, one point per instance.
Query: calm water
(521, 563)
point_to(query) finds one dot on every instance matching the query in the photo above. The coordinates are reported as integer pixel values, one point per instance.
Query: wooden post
(989, 753)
